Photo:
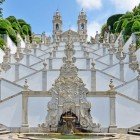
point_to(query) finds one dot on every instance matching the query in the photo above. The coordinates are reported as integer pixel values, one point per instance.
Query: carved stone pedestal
(24, 128)
(112, 129)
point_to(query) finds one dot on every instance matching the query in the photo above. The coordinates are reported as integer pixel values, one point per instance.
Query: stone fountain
(69, 110)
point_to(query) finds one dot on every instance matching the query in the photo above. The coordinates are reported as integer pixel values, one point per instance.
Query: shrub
(127, 30)
(22, 23)
(6, 28)
(2, 43)
(128, 15)
(12, 34)
(115, 26)
(137, 17)
(4, 24)
(11, 19)
(124, 24)
(16, 27)
(104, 28)
(135, 26)
(37, 40)
(119, 26)
(25, 30)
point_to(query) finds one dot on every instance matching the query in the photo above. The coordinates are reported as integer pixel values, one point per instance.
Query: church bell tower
(82, 26)
(57, 27)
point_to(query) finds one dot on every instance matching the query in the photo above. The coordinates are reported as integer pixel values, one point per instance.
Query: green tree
(1, 2)
(111, 20)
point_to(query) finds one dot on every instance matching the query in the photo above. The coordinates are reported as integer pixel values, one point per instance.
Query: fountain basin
(49, 136)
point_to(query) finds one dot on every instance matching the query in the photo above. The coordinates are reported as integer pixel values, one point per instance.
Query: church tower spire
(82, 26)
(57, 26)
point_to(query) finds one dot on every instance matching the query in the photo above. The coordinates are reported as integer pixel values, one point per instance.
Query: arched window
(82, 26)
(57, 26)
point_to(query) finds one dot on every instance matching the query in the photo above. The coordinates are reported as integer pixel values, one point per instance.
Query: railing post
(93, 77)
(44, 77)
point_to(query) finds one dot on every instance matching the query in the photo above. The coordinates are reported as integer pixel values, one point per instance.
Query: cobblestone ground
(120, 137)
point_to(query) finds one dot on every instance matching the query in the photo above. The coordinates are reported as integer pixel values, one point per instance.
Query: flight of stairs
(135, 131)
(3, 130)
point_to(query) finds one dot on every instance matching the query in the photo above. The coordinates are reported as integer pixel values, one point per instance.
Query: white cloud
(125, 5)
(92, 28)
(90, 4)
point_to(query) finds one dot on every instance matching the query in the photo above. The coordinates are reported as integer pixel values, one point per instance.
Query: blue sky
(39, 13)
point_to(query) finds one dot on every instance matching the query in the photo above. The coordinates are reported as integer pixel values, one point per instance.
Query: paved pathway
(121, 137)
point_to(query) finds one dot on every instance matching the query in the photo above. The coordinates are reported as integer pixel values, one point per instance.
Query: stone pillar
(112, 127)
(24, 110)
(40, 46)
(54, 53)
(104, 50)
(50, 63)
(35, 51)
(16, 71)
(110, 57)
(82, 48)
(44, 77)
(138, 78)
(93, 77)
(0, 91)
(28, 60)
(98, 45)
(0, 83)
(87, 63)
(25, 126)
(121, 70)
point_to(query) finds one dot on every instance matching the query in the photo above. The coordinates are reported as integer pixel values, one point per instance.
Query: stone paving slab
(119, 137)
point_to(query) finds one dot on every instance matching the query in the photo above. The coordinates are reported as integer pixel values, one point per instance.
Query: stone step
(2, 129)
(4, 132)
(134, 133)
(136, 130)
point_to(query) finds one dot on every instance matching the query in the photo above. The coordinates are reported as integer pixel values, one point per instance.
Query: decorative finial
(111, 85)
(26, 86)
(93, 65)
(50, 53)
(45, 64)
